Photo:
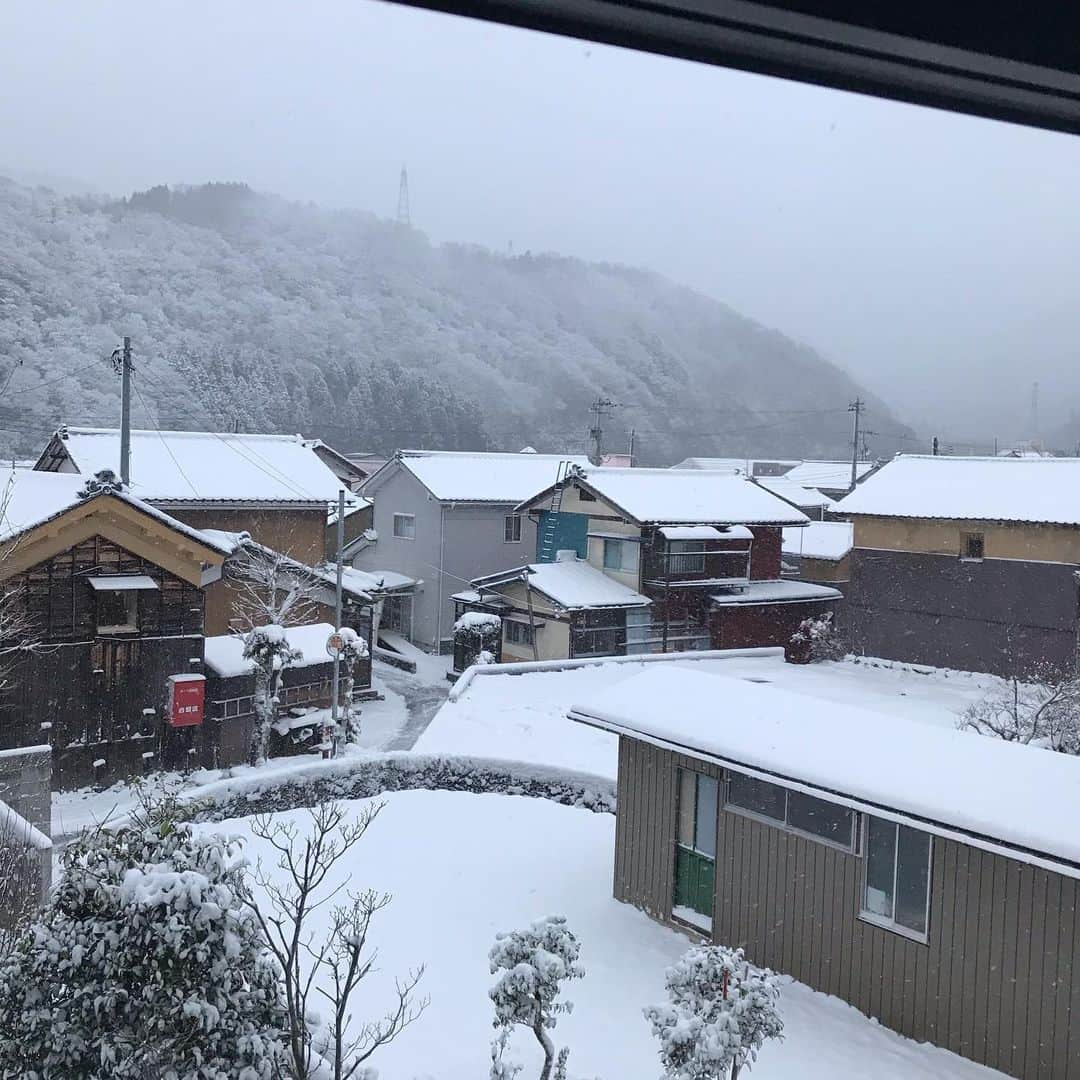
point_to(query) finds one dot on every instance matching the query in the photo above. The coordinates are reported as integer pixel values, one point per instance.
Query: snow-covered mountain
(247, 311)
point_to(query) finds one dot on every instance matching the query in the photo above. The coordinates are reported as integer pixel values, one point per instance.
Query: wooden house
(928, 876)
(111, 592)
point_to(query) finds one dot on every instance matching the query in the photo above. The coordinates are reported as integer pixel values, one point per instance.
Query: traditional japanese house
(103, 630)
(925, 875)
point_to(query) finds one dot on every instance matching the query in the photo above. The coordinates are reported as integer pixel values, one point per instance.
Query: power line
(164, 441)
(61, 378)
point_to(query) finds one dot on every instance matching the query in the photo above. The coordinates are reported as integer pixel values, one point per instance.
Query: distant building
(967, 562)
(820, 552)
(746, 466)
(810, 501)
(832, 478)
(929, 877)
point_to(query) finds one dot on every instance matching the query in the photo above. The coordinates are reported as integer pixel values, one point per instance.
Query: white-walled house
(446, 517)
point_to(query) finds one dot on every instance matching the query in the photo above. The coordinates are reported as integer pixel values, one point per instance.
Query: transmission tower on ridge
(403, 215)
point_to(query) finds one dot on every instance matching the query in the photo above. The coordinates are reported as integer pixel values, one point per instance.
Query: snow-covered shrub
(143, 962)
(1043, 710)
(720, 1011)
(532, 965)
(477, 633)
(817, 639)
(269, 649)
(354, 650)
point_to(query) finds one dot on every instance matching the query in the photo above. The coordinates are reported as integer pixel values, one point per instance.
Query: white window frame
(880, 920)
(512, 524)
(404, 517)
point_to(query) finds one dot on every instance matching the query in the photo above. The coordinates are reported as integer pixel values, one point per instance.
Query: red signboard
(186, 700)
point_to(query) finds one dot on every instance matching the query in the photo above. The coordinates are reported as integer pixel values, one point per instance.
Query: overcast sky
(936, 257)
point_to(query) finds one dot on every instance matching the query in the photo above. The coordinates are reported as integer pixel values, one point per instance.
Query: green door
(695, 849)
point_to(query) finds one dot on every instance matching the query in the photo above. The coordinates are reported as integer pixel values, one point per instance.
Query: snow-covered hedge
(362, 777)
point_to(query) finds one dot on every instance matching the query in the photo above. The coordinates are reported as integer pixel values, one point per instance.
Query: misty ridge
(252, 313)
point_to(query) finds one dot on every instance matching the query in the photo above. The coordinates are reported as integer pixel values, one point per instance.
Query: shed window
(972, 546)
(405, 526)
(512, 529)
(807, 814)
(518, 633)
(896, 890)
(117, 611)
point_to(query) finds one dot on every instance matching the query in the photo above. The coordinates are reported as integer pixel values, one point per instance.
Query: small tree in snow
(145, 961)
(293, 890)
(720, 1011)
(532, 964)
(271, 592)
(478, 633)
(353, 651)
(1043, 710)
(817, 639)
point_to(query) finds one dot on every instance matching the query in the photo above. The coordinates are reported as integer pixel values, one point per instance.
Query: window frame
(527, 635)
(511, 524)
(856, 847)
(685, 557)
(394, 526)
(965, 538)
(130, 598)
(881, 921)
(616, 545)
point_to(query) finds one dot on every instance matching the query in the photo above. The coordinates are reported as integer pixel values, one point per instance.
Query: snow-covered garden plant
(327, 970)
(353, 651)
(269, 650)
(532, 964)
(478, 632)
(720, 1011)
(1043, 710)
(817, 639)
(144, 961)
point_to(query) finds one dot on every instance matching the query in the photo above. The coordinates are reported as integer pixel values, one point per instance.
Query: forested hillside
(253, 313)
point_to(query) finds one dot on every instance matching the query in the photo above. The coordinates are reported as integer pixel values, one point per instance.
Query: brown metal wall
(995, 982)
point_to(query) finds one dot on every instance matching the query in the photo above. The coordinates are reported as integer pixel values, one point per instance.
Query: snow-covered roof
(776, 592)
(688, 497)
(1045, 490)
(462, 476)
(831, 475)
(29, 498)
(570, 583)
(734, 464)
(706, 532)
(830, 540)
(187, 466)
(225, 653)
(979, 789)
(794, 493)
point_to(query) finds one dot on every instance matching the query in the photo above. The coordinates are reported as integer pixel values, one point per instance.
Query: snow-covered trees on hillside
(719, 1013)
(532, 964)
(145, 961)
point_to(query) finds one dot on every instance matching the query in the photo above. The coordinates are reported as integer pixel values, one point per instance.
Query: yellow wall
(1002, 540)
(826, 569)
(552, 639)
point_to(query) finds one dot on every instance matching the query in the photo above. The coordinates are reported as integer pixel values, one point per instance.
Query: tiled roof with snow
(832, 475)
(186, 466)
(29, 498)
(461, 476)
(794, 493)
(572, 584)
(981, 789)
(225, 653)
(1043, 490)
(830, 540)
(690, 497)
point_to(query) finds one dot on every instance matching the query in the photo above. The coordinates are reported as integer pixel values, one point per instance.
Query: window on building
(972, 546)
(896, 890)
(601, 632)
(685, 557)
(512, 529)
(405, 526)
(517, 633)
(806, 814)
(695, 849)
(117, 611)
(586, 496)
(613, 554)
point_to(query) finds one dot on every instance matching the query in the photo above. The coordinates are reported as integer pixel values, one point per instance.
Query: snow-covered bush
(144, 961)
(478, 634)
(354, 650)
(1043, 710)
(719, 1013)
(816, 639)
(532, 965)
(269, 650)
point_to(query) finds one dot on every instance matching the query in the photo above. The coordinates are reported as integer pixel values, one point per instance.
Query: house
(927, 876)
(695, 557)
(831, 478)
(110, 591)
(810, 501)
(441, 519)
(746, 466)
(967, 562)
(349, 472)
(821, 552)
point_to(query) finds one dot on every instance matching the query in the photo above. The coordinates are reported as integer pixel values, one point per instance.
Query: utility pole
(855, 407)
(934, 447)
(632, 433)
(601, 409)
(403, 215)
(337, 614)
(121, 359)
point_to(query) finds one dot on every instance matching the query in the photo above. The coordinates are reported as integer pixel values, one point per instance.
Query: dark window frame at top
(512, 529)
(972, 546)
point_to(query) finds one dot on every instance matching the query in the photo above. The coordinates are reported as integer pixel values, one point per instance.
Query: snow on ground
(525, 858)
(523, 717)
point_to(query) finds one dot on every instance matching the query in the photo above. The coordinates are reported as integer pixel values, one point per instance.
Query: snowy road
(423, 700)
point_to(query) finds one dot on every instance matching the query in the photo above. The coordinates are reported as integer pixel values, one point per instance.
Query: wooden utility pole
(125, 414)
(337, 614)
(855, 407)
